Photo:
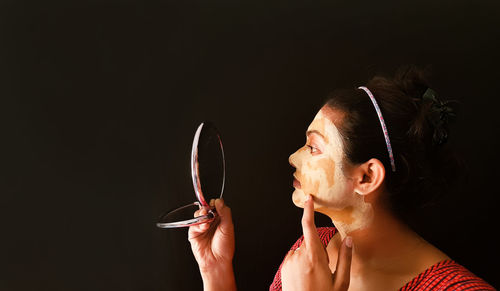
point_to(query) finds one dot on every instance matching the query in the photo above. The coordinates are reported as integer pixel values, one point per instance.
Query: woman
(372, 155)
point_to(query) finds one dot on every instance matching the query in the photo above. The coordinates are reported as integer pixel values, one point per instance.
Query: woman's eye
(313, 149)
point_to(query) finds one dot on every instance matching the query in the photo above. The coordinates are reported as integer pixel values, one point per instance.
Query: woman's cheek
(312, 185)
(327, 166)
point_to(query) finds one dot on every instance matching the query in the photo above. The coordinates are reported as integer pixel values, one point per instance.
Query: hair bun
(440, 114)
(433, 114)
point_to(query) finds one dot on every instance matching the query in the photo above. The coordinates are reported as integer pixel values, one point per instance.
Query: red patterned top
(445, 275)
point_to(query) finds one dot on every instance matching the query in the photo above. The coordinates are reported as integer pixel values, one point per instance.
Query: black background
(99, 101)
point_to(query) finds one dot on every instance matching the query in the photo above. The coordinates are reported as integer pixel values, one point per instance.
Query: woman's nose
(293, 160)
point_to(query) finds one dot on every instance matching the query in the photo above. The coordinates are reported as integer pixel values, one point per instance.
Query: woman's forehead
(322, 123)
(318, 123)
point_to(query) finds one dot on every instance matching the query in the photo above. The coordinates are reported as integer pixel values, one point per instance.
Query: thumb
(226, 220)
(342, 274)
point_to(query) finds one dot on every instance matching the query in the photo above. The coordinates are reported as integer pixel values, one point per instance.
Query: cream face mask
(208, 174)
(318, 163)
(319, 172)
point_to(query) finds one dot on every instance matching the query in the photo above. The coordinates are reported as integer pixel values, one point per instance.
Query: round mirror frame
(195, 175)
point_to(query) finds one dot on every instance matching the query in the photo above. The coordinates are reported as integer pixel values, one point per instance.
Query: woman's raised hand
(213, 248)
(307, 267)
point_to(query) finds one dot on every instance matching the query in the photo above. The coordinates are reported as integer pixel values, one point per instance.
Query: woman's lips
(296, 183)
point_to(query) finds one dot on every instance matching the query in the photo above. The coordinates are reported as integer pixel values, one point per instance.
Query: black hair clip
(440, 115)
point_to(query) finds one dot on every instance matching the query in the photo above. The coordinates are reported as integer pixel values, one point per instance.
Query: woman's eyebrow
(316, 132)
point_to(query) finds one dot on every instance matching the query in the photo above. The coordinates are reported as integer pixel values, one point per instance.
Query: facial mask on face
(319, 169)
(320, 174)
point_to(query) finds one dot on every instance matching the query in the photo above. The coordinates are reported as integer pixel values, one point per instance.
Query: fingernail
(348, 242)
(212, 202)
(308, 197)
(218, 203)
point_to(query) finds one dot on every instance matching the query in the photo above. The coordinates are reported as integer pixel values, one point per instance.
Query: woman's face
(318, 164)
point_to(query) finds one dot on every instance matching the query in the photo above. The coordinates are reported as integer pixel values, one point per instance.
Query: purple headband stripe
(382, 123)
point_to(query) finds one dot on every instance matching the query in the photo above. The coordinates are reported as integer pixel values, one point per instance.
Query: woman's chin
(298, 198)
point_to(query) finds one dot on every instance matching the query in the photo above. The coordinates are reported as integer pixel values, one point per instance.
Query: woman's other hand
(212, 244)
(306, 268)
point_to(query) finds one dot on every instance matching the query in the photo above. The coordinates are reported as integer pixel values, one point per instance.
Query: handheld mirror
(208, 173)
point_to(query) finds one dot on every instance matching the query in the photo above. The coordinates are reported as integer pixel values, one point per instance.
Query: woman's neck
(381, 241)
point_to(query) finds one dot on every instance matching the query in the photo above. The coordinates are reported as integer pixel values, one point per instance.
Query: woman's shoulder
(447, 275)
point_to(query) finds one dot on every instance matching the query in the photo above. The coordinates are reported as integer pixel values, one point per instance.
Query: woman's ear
(368, 177)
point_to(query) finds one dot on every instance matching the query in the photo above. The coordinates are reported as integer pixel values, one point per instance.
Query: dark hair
(425, 165)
